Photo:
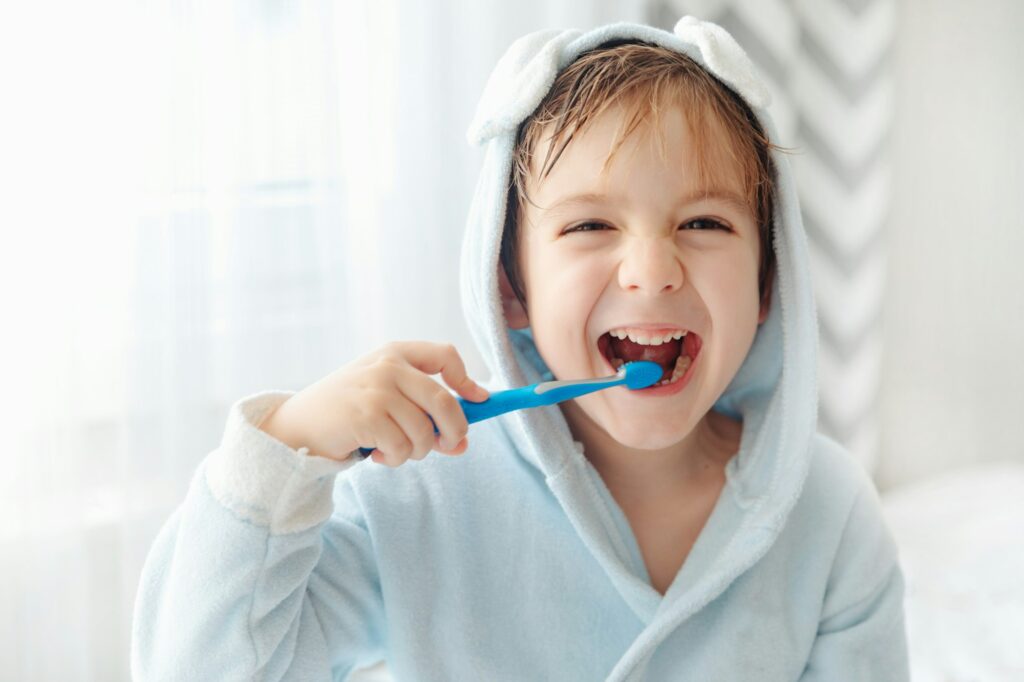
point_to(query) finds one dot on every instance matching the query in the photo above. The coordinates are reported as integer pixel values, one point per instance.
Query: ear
(515, 314)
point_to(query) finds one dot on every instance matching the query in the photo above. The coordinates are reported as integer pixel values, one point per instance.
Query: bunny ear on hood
(774, 392)
(526, 71)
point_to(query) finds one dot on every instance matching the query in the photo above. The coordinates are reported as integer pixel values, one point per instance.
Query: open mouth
(673, 355)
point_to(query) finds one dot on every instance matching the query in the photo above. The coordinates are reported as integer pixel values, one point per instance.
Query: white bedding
(961, 538)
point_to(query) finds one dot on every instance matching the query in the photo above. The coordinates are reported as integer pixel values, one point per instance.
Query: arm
(240, 584)
(861, 634)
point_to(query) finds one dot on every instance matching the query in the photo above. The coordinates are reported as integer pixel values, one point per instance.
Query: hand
(382, 400)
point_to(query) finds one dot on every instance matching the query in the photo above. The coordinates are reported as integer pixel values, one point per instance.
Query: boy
(669, 272)
(630, 206)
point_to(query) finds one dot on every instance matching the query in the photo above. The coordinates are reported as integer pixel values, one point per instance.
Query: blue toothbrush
(635, 375)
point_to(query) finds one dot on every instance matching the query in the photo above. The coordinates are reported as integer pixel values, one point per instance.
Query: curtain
(210, 199)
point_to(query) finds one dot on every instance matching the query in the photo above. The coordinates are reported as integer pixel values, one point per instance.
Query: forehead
(694, 151)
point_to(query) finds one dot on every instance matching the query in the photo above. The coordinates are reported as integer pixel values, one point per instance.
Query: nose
(651, 265)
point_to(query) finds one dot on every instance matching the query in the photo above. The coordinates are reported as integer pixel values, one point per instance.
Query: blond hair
(645, 79)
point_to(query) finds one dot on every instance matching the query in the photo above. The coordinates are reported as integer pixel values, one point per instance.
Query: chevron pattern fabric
(828, 66)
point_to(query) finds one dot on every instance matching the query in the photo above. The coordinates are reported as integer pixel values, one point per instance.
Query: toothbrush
(635, 375)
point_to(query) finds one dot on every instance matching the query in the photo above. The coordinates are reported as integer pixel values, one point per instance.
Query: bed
(961, 539)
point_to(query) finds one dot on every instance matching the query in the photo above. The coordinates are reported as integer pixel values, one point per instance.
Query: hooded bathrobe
(513, 561)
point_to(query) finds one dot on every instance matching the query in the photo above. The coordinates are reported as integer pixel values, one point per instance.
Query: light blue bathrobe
(513, 561)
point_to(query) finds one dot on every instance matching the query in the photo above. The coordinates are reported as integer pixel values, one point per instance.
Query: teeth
(682, 364)
(645, 338)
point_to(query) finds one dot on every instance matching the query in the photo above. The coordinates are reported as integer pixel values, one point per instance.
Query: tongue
(664, 354)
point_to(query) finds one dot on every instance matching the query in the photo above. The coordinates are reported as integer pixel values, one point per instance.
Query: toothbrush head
(641, 374)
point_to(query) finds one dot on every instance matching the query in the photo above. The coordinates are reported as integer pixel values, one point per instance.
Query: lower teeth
(683, 363)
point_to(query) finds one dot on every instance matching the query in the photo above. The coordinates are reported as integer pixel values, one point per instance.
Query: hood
(774, 392)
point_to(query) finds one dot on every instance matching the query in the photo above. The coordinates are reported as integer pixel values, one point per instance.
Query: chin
(640, 436)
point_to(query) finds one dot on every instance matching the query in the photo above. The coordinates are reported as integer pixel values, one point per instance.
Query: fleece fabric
(514, 561)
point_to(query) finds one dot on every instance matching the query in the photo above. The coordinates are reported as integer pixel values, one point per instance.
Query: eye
(586, 227)
(699, 224)
(705, 224)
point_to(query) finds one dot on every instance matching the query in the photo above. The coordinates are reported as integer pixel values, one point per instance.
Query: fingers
(404, 431)
(432, 398)
(417, 427)
(443, 358)
(409, 410)
(457, 450)
(390, 439)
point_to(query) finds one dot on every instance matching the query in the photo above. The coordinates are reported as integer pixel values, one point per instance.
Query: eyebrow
(724, 195)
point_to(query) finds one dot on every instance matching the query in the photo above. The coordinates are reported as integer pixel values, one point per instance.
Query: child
(632, 204)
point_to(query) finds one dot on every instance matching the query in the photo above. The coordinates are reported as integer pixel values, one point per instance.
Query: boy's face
(654, 258)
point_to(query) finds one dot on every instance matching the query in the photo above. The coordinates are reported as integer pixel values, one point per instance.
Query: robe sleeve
(265, 571)
(861, 631)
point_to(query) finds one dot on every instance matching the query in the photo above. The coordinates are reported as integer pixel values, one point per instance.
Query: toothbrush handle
(501, 402)
(498, 403)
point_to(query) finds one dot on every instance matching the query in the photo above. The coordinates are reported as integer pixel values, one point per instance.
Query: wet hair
(646, 79)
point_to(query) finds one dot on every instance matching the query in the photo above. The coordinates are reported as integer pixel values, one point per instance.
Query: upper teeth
(645, 338)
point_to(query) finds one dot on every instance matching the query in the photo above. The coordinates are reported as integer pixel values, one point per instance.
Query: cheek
(729, 274)
(563, 282)
(729, 281)
(565, 292)
(567, 298)
(730, 294)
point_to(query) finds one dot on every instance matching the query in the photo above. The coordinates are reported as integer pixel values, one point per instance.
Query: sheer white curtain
(207, 200)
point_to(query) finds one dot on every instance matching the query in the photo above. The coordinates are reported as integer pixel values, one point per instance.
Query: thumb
(444, 358)
(472, 391)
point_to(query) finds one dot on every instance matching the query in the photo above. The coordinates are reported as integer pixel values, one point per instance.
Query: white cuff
(264, 481)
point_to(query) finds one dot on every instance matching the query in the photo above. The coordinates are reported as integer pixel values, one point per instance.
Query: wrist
(265, 481)
(280, 426)
(287, 424)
